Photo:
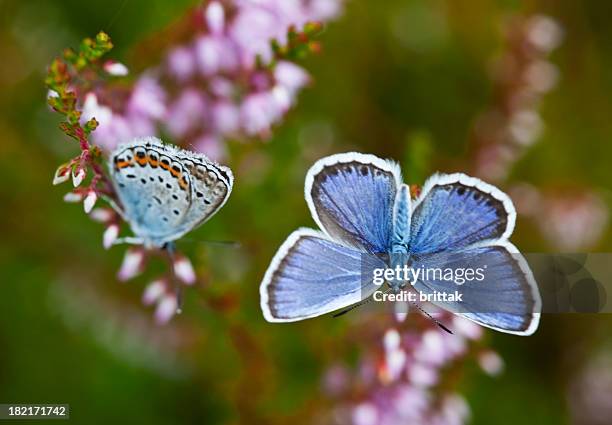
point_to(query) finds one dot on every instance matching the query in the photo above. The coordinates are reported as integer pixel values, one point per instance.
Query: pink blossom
(73, 197)
(183, 270)
(61, 175)
(148, 98)
(491, 362)
(181, 63)
(78, 174)
(132, 265)
(115, 69)
(186, 113)
(110, 235)
(102, 215)
(166, 308)
(211, 146)
(90, 201)
(215, 17)
(291, 76)
(226, 117)
(153, 292)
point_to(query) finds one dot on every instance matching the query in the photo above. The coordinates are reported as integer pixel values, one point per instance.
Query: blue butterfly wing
(505, 299)
(311, 275)
(457, 211)
(351, 198)
(464, 222)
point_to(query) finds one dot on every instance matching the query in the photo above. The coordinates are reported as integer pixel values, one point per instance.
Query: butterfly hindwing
(312, 275)
(502, 294)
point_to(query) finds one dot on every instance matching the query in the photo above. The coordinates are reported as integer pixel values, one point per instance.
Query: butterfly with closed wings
(164, 191)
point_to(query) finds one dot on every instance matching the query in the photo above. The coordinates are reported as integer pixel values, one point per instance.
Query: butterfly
(364, 209)
(164, 191)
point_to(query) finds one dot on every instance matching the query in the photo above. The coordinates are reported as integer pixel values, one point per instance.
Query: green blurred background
(405, 79)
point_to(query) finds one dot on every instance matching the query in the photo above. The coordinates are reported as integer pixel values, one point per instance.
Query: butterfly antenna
(354, 306)
(432, 318)
(231, 244)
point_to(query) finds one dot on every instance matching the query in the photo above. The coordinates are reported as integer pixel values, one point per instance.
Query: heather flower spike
(234, 78)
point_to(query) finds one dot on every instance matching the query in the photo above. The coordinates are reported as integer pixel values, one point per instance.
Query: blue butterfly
(164, 191)
(364, 209)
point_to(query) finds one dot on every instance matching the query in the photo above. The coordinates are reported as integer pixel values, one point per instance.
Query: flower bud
(78, 174)
(90, 201)
(73, 197)
(110, 235)
(132, 265)
(116, 69)
(102, 215)
(184, 270)
(166, 309)
(153, 292)
(62, 174)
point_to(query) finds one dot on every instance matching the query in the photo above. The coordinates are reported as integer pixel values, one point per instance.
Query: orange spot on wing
(122, 164)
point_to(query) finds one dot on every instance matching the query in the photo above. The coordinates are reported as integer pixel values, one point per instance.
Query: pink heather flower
(78, 174)
(467, 328)
(291, 76)
(148, 99)
(132, 265)
(491, 362)
(325, 10)
(92, 109)
(209, 52)
(252, 29)
(166, 308)
(365, 414)
(186, 113)
(226, 117)
(222, 87)
(115, 69)
(102, 215)
(73, 197)
(391, 340)
(422, 375)
(181, 63)
(184, 270)
(110, 235)
(259, 111)
(211, 146)
(90, 201)
(61, 175)
(215, 17)
(395, 362)
(432, 348)
(214, 54)
(153, 292)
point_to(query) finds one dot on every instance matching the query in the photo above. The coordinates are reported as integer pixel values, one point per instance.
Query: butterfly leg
(130, 240)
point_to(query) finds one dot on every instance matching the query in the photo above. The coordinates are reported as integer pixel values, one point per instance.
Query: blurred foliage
(404, 81)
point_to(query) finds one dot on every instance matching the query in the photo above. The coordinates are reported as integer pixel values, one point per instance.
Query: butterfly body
(165, 192)
(369, 221)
